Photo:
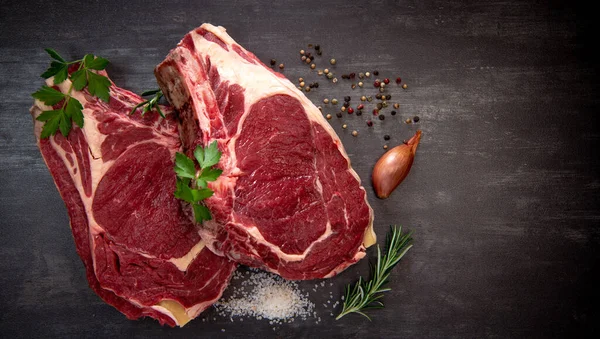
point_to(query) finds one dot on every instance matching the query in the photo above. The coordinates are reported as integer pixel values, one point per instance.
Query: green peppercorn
(332, 61)
(329, 75)
(334, 101)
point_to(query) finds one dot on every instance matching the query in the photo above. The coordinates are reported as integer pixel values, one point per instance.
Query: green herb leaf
(366, 294)
(184, 166)
(87, 59)
(186, 172)
(48, 95)
(55, 68)
(202, 194)
(184, 192)
(64, 125)
(54, 55)
(211, 156)
(210, 174)
(98, 85)
(79, 79)
(98, 63)
(74, 111)
(47, 115)
(51, 125)
(201, 213)
(151, 92)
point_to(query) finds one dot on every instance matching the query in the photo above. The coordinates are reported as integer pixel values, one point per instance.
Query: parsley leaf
(48, 95)
(186, 175)
(201, 213)
(79, 79)
(54, 55)
(98, 85)
(97, 64)
(51, 126)
(210, 174)
(72, 110)
(184, 166)
(210, 156)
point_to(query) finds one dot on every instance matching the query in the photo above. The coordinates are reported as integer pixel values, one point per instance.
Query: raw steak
(288, 200)
(141, 252)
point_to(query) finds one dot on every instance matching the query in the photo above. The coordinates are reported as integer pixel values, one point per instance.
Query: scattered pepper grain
(334, 101)
(325, 101)
(385, 146)
(396, 105)
(405, 86)
(368, 74)
(313, 66)
(273, 62)
(386, 137)
(338, 114)
(416, 119)
(354, 133)
(332, 61)
(381, 117)
(281, 66)
(344, 126)
(393, 112)
(328, 116)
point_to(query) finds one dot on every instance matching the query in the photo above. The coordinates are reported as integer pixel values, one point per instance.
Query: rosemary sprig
(151, 104)
(366, 295)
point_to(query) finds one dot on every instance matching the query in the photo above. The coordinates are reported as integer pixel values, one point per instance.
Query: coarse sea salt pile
(263, 295)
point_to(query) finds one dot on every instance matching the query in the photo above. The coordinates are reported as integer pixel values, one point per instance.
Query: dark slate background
(503, 196)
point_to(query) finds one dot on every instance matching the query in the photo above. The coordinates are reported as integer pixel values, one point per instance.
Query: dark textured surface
(503, 196)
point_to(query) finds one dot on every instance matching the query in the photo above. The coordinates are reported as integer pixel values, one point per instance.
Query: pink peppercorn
(350, 110)
(376, 84)
(361, 106)
(386, 81)
(369, 123)
(398, 80)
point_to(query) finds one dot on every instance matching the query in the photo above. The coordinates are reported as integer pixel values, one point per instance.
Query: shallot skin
(391, 169)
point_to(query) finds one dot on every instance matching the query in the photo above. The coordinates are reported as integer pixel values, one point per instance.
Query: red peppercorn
(398, 80)
(386, 81)
(369, 123)
(376, 84)
(350, 110)
(361, 106)
(375, 111)
(352, 75)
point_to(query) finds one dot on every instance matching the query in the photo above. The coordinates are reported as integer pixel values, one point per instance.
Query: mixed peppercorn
(380, 84)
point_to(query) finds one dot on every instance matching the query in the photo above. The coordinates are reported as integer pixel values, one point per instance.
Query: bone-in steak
(142, 253)
(288, 200)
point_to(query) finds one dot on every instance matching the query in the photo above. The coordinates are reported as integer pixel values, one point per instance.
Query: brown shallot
(394, 166)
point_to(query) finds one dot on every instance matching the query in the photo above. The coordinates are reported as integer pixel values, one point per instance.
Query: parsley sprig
(71, 110)
(187, 176)
(150, 104)
(364, 294)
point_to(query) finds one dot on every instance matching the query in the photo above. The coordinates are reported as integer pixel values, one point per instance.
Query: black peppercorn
(381, 117)
(359, 112)
(273, 62)
(416, 119)
(347, 98)
(338, 114)
(316, 85)
(388, 97)
(375, 73)
(386, 137)
(379, 106)
(378, 96)
(393, 112)
(346, 104)
(317, 47)
(344, 76)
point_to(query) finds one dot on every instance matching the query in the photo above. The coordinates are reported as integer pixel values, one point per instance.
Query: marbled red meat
(141, 251)
(288, 200)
